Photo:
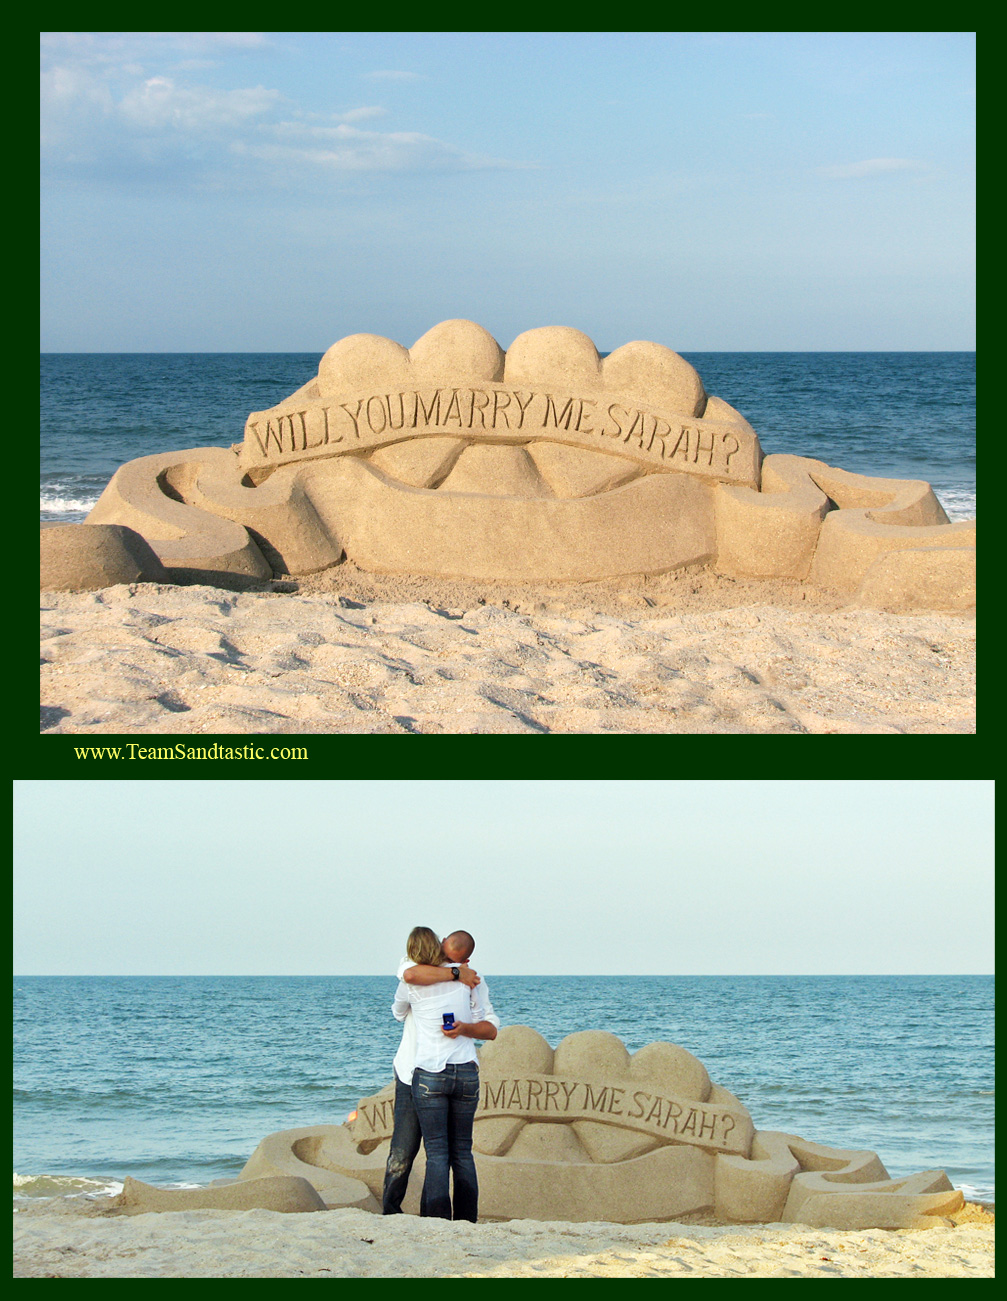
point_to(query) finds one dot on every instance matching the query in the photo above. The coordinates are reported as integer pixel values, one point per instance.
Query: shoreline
(73, 1243)
(353, 652)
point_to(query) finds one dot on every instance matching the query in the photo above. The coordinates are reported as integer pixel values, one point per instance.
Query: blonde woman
(440, 1066)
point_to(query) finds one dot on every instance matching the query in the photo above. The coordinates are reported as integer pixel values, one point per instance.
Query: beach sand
(346, 651)
(355, 1244)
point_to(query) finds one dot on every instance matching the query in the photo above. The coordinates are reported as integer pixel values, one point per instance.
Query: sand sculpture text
(587, 1131)
(544, 1097)
(545, 463)
(497, 415)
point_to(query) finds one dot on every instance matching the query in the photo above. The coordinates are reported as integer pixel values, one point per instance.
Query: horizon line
(363, 975)
(301, 352)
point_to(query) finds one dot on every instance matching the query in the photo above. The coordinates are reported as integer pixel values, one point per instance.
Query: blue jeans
(402, 1153)
(446, 1104)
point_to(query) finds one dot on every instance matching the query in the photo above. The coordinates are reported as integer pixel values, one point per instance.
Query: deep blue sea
(892, 414)
(175, 1080)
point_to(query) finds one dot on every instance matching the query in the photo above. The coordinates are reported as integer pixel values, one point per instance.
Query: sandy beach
(355, 1244)
(345, 651)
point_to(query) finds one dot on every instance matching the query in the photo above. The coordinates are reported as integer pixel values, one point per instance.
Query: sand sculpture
(286, 1193)
(547, 462)
(73, 557)
(589, 1132)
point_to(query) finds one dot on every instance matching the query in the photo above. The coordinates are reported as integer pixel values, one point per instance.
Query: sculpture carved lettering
(378, 419)
(548, 1097)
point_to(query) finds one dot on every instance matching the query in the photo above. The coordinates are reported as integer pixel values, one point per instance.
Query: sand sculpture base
(587, 1132)
(285, 1193)
(544, 463)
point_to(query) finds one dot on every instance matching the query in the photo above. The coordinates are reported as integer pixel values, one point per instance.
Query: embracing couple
(444, 1008)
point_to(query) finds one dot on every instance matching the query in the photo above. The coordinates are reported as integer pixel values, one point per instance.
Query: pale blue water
(898, 414)
(174, 1080)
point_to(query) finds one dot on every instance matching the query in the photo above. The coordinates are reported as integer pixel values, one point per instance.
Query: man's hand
(471, 1030)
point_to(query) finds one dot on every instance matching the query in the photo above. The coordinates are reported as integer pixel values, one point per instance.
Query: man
(456, 972)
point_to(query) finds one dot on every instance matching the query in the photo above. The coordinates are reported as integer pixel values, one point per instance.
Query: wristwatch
(455, 973)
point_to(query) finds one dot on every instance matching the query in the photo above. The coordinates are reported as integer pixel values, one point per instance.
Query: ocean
(891, 414)
(175, 1080)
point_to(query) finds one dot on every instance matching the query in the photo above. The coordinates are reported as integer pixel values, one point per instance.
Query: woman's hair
(424, 948)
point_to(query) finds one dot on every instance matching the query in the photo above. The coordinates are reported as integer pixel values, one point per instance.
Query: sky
(552, 877)
(247, 191)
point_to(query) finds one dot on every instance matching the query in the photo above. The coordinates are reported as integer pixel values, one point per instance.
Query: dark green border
(524, 16)
(623, 757)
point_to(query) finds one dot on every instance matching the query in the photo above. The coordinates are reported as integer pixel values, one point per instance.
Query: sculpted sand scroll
(547, 462)
(507, 417)
(544, 1098)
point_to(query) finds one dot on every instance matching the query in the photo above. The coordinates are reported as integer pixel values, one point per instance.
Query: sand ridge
(350, 652)
(356, 1244)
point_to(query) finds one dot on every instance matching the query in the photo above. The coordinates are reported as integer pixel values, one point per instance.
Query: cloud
(159, 103)
(74, 105)
(153, 129)
(345, 148)
(869, 167)
(107, 118)
(359, 114)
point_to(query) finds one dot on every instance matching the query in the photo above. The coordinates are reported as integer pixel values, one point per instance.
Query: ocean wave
(30, 1186)
(51, 505)
(958, 503)
(32, 1189)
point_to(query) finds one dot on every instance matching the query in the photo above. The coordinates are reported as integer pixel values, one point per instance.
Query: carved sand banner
(710, 1126)
(362, 421)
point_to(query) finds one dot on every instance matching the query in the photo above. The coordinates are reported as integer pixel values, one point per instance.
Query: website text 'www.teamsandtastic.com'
(212, 753)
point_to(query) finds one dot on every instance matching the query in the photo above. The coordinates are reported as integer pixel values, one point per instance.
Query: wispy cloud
(344, 148)
(359, 114)
(869, 167)
(105, 116)
(161, 104)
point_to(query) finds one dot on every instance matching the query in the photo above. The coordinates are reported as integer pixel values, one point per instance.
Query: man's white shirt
(421, 1009)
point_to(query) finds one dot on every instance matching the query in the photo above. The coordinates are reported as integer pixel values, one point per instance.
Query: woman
(445, 1082)
(423, 948)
